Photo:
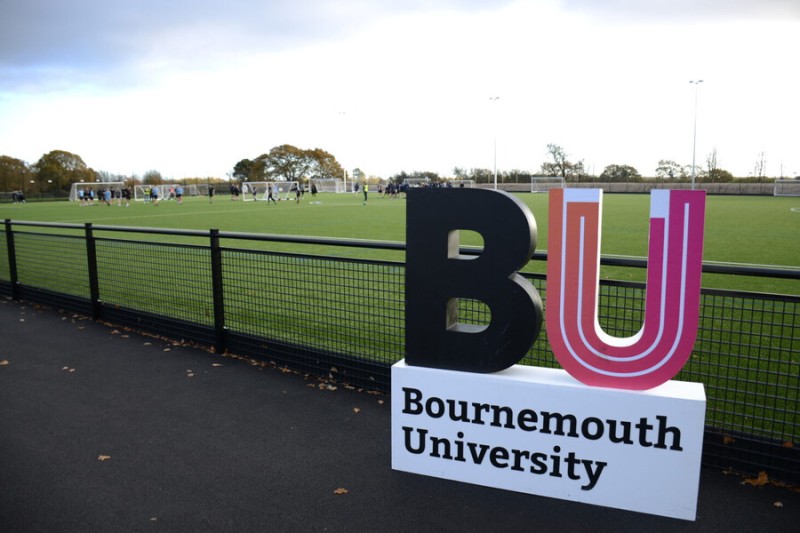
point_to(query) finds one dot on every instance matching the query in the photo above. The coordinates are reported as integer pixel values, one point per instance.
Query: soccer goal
(281, 190)
(189, 190)
(328, 184)
(141, 193)
(787, 188)
(461, 184)
(545, 183)
(417, 182)
(254, 190)
(92, 189)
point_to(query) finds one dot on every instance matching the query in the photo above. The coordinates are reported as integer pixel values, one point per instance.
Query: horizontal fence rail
(343, 317)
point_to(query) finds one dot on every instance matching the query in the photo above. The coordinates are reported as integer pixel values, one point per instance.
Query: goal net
(545, 183)
(254, 190)
(281, 190)
(417, 182)
(461, 184)
(142, 192)
(92, 190)
(328, 184)
(787, 188)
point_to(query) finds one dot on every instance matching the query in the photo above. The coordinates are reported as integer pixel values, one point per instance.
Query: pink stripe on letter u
(658, 351)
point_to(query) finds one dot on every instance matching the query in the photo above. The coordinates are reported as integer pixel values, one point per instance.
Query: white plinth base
(539, 431)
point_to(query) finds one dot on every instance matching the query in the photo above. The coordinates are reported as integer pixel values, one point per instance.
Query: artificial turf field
(740, 230)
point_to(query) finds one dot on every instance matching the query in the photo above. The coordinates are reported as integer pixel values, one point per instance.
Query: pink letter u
(662, 346)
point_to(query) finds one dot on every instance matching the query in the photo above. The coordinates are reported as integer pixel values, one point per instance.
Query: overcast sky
(190, 87)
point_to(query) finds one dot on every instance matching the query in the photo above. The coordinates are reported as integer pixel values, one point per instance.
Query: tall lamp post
(696, 84)
(495, 99)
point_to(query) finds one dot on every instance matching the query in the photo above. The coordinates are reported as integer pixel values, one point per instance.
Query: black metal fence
(318, 309)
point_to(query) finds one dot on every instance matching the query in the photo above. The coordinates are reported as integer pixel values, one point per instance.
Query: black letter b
(436, 276)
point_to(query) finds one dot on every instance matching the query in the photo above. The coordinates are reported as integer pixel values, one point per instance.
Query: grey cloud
(100, 31)
(49, 42)
(86, 32)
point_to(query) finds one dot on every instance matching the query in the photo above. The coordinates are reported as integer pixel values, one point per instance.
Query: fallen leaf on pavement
(778, 504)
(103, 457)
(760, 481)
(356, 410)
(4, 362)
(341, 491)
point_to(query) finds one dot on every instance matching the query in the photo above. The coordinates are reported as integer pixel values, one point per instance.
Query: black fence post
(12, 261)
(220, 344)
(94, 284)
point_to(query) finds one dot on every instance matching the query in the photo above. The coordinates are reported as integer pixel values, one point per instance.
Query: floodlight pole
(696, 84)
(495, 99)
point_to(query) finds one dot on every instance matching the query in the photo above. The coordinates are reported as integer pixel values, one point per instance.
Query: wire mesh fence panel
(540, 353)
(324, 304)
(5, 270)
(748, 356)
(161, 279)
(52, 262)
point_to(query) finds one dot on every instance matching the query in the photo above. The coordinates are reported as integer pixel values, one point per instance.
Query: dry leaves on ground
(103, 457)
(341, 490)
(4, 362)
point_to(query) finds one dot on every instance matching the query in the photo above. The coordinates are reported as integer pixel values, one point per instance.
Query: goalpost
(95, 186)
(786, 188)
(545, 183)
(329, 185)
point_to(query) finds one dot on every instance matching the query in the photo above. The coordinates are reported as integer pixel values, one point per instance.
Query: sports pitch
(740, 230)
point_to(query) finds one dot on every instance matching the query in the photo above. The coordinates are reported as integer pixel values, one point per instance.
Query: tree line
(55, 171)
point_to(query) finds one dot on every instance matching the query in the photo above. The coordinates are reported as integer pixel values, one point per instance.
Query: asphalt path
(108, 430)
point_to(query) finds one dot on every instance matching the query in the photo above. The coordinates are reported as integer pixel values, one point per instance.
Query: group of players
(107, 196)
(153, 193)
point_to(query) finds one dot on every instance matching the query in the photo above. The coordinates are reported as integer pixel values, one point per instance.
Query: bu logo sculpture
(437, 276)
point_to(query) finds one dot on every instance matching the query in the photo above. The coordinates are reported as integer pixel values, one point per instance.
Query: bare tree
(561, 166)
(760, 166)
(711, 164)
